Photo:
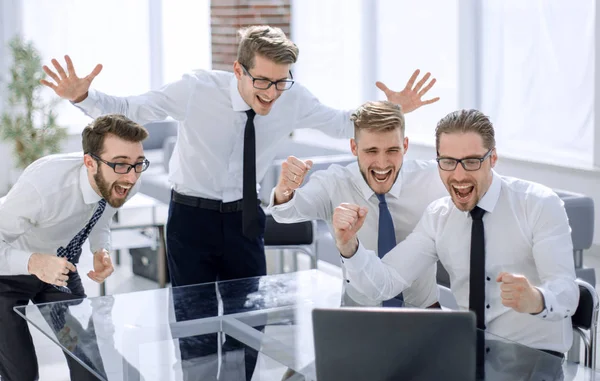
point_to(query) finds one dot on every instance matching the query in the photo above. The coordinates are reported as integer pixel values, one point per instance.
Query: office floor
(53, 365)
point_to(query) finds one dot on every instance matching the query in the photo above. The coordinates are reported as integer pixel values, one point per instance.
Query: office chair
(298, 237)
(585, 322)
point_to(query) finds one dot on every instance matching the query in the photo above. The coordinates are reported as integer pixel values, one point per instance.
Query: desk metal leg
(162, 257)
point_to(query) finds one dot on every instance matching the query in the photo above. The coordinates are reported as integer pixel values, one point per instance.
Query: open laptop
(377, 344)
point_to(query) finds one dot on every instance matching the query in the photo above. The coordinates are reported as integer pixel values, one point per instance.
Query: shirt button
(347, 280)
(488, 278)
(488, 306)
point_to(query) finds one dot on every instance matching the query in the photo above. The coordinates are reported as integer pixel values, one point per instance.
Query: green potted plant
(29, 122)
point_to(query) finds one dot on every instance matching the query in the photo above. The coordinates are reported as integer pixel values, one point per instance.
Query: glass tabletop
(227, 330)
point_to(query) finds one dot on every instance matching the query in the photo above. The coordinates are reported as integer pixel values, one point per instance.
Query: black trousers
(18, 361)
(207, 246)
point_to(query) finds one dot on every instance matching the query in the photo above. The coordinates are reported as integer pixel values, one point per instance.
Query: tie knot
(477, 213)
(251, 113)
(381, 198)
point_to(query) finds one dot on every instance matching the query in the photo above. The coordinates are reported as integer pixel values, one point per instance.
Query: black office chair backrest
(299, 233)
(583, 315)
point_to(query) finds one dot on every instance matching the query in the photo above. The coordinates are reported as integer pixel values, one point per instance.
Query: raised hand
(517, 293)
(410, 97)
(347, 221)
(103, 266)
(68, 85)
(293, 172)
(50, 269)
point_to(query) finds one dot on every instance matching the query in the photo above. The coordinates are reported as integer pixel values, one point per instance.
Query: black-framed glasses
(469, 164)
(264, 84)
(124, 168)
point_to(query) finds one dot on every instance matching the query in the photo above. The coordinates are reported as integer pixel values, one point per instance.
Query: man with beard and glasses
(505, 242)
(396, 191)
(58, 202)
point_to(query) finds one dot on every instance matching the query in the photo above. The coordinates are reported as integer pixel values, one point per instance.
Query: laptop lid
(379, 344)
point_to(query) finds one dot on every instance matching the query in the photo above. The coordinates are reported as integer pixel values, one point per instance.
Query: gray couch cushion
(158, 132)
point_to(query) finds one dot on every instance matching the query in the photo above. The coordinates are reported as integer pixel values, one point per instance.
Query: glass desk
(202, 332)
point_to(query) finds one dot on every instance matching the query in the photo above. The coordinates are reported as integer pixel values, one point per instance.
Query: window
(111, 32)
(537, 77)
(411, 35)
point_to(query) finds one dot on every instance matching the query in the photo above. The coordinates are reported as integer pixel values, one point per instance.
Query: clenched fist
(516, 292)
(347, 221)
(293, 172)
(50, 269)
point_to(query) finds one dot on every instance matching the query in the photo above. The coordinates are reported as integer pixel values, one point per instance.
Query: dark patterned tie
(250, 226)
(477, 284)
(386, 241)
(73, 250)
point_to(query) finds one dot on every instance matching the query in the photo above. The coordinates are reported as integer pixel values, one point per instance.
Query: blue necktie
(73, 250)
(386, 241)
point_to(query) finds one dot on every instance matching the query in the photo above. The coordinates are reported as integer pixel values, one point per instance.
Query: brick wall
(227, 16)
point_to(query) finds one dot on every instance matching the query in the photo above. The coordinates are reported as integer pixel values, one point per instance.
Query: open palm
(68, 85)
(410, 98)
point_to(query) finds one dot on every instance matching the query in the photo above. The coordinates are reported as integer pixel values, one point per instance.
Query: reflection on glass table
(219, 330)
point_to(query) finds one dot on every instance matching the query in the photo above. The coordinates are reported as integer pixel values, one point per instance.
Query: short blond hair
(266, 41)
(378, 116)
(463, 121)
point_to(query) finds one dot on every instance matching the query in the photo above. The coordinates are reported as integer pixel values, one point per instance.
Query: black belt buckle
(222, 207)
(228, 207)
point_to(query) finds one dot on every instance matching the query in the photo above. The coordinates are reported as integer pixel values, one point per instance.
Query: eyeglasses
(124, 168)
(469, 164)
(264, 84)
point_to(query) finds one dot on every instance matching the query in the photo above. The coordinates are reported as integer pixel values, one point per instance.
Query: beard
(105, 190)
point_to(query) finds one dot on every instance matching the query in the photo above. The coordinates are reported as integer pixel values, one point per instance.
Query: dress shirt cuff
(284, 206)
(550, 311)
(18, 262)
(88, 103)
(358, 261)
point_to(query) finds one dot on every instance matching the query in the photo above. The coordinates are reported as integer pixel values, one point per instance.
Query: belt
(205, 203)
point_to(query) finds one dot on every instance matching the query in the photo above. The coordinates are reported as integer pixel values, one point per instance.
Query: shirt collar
(490, 198)
(366, 190)
(237, 102)
(89, 194)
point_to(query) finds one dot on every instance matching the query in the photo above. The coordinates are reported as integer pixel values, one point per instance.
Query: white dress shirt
(417, 185)
(526, 232)
(50, 203)
(207, 160)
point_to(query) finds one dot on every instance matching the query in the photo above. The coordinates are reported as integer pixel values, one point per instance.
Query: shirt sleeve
(553, 255)
(21, 210)
(171, 100)
(314, 114)
(310, 202)
(382, 279)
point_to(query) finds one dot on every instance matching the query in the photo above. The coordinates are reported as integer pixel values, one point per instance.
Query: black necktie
(250, 203)
(477, 286)
(477, 274)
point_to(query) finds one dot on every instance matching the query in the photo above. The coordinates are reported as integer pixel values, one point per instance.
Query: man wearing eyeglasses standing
(56, 204)
(230, 131)
(505, 242)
